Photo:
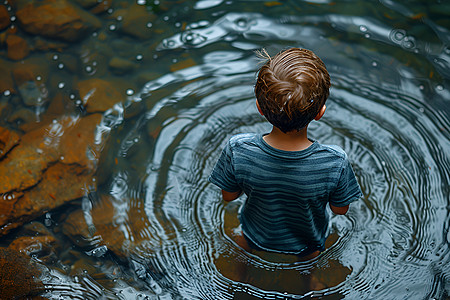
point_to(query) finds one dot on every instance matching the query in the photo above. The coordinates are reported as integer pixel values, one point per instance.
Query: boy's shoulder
(242, 138)
(334, 150)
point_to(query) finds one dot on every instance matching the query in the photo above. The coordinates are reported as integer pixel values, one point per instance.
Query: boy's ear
(259, 108)
(320, 113)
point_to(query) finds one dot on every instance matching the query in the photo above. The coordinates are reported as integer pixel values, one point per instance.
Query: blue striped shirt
(287, 191)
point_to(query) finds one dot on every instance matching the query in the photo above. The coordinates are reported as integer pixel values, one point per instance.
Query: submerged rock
(52, 165)
(19, 275)
(4, 17)
(17, 47)
(8, 139)
(57, 19)
(98, 95)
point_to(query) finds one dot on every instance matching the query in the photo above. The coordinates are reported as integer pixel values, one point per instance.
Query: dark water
(389, 109)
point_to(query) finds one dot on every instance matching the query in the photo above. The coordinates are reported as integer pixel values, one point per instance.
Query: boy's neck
(290, 141)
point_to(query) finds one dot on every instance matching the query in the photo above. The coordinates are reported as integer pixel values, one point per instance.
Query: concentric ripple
(390, 117)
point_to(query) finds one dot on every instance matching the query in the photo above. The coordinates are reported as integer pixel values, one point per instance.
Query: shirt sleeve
(348, 189)
(223, 174)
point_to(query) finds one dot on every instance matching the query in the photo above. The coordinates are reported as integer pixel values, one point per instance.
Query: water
(171, 236)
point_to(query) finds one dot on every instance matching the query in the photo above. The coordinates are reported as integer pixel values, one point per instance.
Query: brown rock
(8, 139)
(4, 17)
(18, 275)
(31, 79)
(34, 245)
(98, 95)
(57, 19)
(7, 83)
(60, 183)
(121, 66)
(134, 21)
(18, 47)
(105, 226)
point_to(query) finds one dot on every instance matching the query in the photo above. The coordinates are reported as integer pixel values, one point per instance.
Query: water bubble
(110, 11)
(78, 102)
(397, 35)
(141, 2)
(421, 109)
(112, 27)
(38, 78)
(94, 34)
(177, 24)
(149, 25)
(367, 35)
(439, 87)
(72, 96)
(7, 93)
(119, 18)
(421, 87)
(62, 157)
(136, 140)
(174, 60)
(155, 56)
(60, 66)
(61, 85)
(13, 18)
(363, 28)
(130, 92)
(139, 57)
(88, 69)
(166, 18)
(94, 63)
(55, 57)
(374, 64)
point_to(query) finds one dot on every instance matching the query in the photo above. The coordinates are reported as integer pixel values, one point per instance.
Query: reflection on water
(156, 229)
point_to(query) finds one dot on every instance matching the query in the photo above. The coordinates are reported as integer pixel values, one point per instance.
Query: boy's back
(287, 191)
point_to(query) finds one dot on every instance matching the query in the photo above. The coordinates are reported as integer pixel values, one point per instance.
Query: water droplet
(88, 69)
(421, 109)
(367, 35)
(61, 85)
(13, 18)
(440, 87)
(374, 64)
(72, 96)
(7, 93)
(155, 56)
(60, 66)
(119, 18)
(177, 24)
(363, 28)
(421, 87)
(139, 57)
(78, 102)
(149, 25)
(38, 78)
(94, 63)
(141, 2)
(136, 140)
(130, 92)
(55, 57)
(174, 60)
(166, 18)
(112, 27)
(62, 157)
(110, 11)
(94, 34)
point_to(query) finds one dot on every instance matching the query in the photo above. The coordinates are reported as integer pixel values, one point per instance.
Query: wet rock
(38, 246)
(31, 79)
(98, 95)
(19, 275)
(8, 139)
(18, 47)
(4, 17)
(136, 21)
(7, 83)
(59, 184)
(121, 66)
(52, 165)
(104, 231)
(45, 45)
(101, 7)
(57, 19)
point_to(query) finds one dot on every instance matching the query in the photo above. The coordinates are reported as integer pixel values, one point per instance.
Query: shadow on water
(176, 83)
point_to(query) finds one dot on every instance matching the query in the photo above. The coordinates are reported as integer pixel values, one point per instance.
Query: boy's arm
(339, 210)
(230, 196)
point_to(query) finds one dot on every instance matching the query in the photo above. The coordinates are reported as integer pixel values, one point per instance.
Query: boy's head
(291, 88)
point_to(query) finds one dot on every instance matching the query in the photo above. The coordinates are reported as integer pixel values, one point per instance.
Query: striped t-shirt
(287, 191)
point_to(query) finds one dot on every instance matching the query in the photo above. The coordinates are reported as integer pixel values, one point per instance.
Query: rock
(7, 83)
(106, 231)
(18, 47)
(59, 184)
(19, 275)
(34, 245)
(135, 20)
(52, 165)
(8, 139)
(101, 7)
(31, 79)
(121, 66)
(5, 20)
(98, 95)
(57, 19)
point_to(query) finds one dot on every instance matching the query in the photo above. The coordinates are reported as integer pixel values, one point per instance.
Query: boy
(288, 178)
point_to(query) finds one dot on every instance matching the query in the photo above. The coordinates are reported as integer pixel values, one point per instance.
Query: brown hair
(291, 88)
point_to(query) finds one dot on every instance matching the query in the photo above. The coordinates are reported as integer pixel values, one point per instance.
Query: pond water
(389, 109)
